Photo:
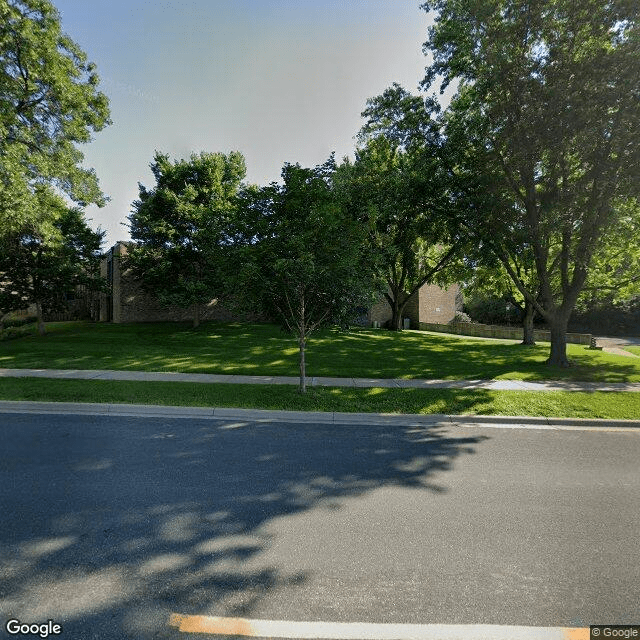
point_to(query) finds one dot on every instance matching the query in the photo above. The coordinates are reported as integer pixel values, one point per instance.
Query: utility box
(407, 323)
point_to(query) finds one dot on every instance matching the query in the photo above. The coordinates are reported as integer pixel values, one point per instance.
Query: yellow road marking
(578, 634)
(204, 624)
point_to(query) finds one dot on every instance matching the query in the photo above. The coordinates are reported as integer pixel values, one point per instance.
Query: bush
(621, 319)
(493, 310)
(11, 320)
(460, 317)
(12, 332)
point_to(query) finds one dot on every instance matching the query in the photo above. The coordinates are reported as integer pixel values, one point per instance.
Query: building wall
(412, 311)
(437, 304)
(129, 303)
(380, 312)
(431, 304)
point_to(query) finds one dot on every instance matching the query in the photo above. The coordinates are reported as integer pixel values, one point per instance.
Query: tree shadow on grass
(489, 361)
(112, 524)
(263, 349)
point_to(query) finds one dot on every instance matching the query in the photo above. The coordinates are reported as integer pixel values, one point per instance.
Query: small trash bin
(407, 323)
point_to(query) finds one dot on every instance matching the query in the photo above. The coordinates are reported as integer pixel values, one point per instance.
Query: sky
(278, 80)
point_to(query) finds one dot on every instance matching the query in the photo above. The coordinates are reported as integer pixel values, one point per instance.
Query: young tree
(547, 116)
(42, 263)
(305, 259)
(50, 104)
(181, 228)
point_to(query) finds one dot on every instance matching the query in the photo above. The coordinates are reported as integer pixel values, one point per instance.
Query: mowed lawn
(560, 404)
(263, 349)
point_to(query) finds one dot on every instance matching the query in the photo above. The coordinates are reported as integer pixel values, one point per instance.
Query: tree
(41, 264)
(489, 281)
(49, 104)
(396, 185)
(305, 260)
(181, 228)
(546, 117)
(614, 277)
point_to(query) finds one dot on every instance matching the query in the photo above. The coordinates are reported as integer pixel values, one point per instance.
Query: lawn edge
(323, 417)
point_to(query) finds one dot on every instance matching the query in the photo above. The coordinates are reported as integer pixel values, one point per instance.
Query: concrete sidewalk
(397, 383)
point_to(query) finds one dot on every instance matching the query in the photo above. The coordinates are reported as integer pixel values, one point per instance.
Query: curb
(316, 417)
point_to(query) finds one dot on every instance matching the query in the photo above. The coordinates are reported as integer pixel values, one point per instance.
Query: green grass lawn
(635, 350)
(262, 349)
(611, 405)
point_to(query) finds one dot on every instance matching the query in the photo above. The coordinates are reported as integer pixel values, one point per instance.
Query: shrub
(11, 320)
(460, 317)
(493, 310)
(12, 332)
(608, 318)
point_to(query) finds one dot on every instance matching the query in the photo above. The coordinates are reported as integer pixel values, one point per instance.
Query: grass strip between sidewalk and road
(558, 404)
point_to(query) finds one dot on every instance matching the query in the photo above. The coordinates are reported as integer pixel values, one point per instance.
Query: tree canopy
(398, 185)
(546, 123)
(42, 264)
(181, 228)
(49, 104)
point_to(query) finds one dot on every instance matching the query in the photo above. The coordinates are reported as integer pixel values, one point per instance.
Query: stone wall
(495, 331)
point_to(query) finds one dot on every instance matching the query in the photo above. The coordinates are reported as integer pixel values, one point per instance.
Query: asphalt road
(111, 524)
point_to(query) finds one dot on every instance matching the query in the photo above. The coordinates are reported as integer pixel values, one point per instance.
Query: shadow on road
(113, 523)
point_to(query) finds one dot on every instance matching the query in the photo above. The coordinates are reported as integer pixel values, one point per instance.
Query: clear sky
(278, 80)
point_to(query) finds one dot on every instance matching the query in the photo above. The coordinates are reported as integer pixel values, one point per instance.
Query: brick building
(432, 304)
(129, 303)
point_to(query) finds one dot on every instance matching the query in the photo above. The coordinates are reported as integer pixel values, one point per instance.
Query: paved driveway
(612, 341)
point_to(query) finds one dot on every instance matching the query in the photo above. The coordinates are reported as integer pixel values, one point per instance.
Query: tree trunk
(196, 315)
(397, 309)
(527, 323)
(396, 317)
(303, 366)
(558, 353)
(41, 328)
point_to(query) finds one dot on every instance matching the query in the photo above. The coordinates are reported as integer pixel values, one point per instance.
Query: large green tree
(305, 261)
(613, 278)
(546, 117)
(397, 185)
(49, 104)
(42, 263)
(181, 228)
